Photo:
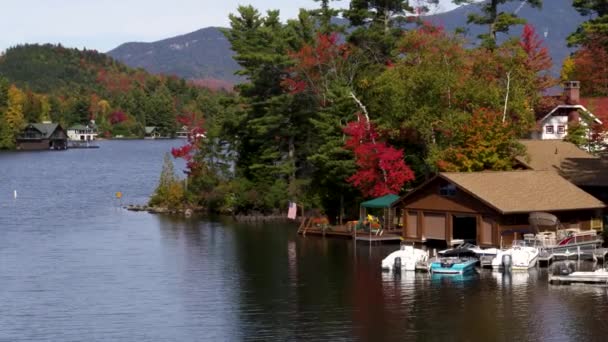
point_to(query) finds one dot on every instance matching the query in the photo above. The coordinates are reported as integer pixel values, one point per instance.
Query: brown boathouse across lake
(42, 136)
(492, 208)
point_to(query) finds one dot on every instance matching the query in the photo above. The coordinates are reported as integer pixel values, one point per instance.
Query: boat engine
(507, 260)
(397, 264)
(564, 268)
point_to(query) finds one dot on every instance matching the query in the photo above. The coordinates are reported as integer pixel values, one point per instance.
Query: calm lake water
(76, 267)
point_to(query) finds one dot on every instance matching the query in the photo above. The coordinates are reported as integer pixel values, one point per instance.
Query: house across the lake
(82, 133)
(151, 132)
(492, 208)
(42, 136)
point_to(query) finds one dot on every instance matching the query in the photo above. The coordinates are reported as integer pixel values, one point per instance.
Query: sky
(104, 24)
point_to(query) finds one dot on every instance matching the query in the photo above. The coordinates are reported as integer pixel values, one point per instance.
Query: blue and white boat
(453, 265)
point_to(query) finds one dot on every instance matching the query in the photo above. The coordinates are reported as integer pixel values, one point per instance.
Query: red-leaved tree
(538, 59)
(189, 151)
(381, 168)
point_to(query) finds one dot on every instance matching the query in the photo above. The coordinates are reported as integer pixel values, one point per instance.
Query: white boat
(521, 257)
(409, 257)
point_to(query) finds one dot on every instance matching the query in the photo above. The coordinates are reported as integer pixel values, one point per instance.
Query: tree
(324, 15)
(538, 59)
(590, 29)
(169, 192)
(383, 13)
(381, 169)
(485, 143)
(274, 122)
(590, 66)
(13, 120)
(498, 22)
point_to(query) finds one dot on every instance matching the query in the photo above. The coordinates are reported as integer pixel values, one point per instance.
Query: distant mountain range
(205, 55)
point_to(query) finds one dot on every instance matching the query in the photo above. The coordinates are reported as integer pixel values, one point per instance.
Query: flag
(291, 212)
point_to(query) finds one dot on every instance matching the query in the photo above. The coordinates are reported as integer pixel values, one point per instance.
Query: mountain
(554, 22)
(206, 54)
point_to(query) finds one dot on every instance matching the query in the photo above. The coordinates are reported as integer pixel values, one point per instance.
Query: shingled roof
(543, 155)
(567, 159)
(512, 192)
(47, 129)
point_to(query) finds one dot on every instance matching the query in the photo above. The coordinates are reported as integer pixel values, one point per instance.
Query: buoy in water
(15, 194)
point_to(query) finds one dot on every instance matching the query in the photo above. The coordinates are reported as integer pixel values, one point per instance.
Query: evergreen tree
(497, 21)
(597, 26)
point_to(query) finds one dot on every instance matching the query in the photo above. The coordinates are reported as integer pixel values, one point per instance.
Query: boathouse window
(448, 190)
(561, 129)
(549, 129)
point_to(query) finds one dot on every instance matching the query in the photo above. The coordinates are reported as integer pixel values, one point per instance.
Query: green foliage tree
(497, 21)
(591, 28)
(170, 191)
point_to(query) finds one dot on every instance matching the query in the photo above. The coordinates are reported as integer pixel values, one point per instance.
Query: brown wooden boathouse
(492, 208)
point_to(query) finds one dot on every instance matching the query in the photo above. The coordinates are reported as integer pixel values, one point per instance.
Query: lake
(74, 266)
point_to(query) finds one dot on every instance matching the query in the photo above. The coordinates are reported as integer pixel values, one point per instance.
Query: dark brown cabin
(42, 136)
(492, 208)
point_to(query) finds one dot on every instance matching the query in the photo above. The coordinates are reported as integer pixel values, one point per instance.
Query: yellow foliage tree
(12, 122)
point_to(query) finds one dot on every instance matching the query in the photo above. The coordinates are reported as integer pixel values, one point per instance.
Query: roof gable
(579, 107)
(46, 129)
(523, 191)
(599, 106)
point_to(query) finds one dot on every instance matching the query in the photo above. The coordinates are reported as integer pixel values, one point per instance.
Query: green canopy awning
(381, 202)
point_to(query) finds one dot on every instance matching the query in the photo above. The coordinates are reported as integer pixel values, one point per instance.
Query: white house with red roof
(554, 125)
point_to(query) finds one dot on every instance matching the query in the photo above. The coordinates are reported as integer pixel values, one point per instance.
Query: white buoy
(15, 194)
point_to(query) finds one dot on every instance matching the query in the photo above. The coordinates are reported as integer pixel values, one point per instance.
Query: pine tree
(597, 26)
(498, 22)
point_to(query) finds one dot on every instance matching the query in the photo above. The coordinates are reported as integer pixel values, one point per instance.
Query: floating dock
(598, 278)
(547, 257)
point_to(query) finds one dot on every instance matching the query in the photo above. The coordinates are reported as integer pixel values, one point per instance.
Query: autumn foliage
(485, 143)
(189, 150)
(381, 169)
(317, 66)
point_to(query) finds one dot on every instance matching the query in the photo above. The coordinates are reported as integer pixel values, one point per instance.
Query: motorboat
(523, 257)
(453, 265)
(405, 259)
(520, 256)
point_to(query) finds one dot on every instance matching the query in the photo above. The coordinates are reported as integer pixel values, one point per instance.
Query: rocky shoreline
(164, 210)
(251, 218)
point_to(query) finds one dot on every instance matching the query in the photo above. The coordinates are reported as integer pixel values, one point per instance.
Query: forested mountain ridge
(203, 54)
(207, 54)
(70, 86)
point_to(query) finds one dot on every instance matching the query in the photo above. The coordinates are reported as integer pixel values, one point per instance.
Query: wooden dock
(378, 238)
(598, 278)
(308, 227)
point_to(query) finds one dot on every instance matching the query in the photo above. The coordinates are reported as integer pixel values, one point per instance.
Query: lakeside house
(151, 132)
(82, 133)
(42, 136)
(492, 208)
(554, 124)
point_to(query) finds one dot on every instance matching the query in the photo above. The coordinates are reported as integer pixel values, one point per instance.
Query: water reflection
(85, 270)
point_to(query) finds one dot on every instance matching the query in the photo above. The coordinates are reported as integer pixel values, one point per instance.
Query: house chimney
(572, 92)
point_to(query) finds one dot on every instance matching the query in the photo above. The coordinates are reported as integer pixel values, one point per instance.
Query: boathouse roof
(47, 129)
(512, 192)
